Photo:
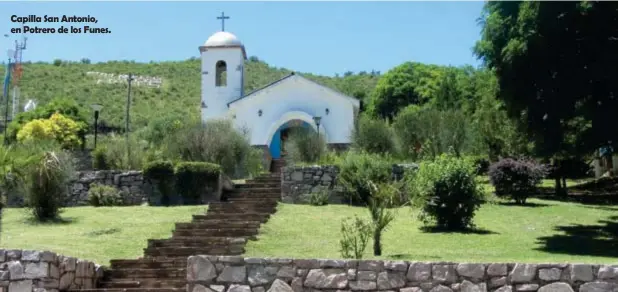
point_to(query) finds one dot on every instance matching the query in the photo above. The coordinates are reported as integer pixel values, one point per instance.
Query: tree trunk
(377, 242)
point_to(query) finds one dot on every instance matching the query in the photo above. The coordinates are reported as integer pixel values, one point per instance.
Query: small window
(221, 76)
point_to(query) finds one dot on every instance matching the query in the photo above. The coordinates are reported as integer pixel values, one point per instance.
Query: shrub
(193, 177)
(516, 179)
(104, 196)
(116, 155)
(161, 127)
(357, 170)
(374, 136)
(380, 216)
(445, 190)
(162, 173)
(66, 107)
(355, 236)
(481, 164)
(47, 186)
(215, 142)
(319, 199)
(305, 146)
(99, 158)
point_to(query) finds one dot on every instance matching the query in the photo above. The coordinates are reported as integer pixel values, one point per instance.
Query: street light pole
(7, 79)
(129, 79)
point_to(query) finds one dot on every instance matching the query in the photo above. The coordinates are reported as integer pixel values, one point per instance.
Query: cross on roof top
(223, 18)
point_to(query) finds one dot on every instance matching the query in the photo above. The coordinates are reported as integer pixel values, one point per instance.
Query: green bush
(193, 177)
(355, 236)
(516, 179)
(374, 136)
(357, 170)
(116, 154)
(445, 190)
(104, 196)
(47, 184)
(215, 142)
(304, 146)
(161, 172)
(319, 199)
(99, 158)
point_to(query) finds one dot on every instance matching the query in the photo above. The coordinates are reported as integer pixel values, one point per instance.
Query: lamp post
(97, 108)
(317, 123)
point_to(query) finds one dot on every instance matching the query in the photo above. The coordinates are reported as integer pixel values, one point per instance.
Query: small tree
(374, 136)
(516, 179)
(380, 215)
(356, 233)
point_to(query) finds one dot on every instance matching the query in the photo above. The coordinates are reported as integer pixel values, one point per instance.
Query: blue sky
(316, 37)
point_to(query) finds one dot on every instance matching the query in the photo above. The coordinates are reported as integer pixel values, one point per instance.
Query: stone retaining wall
(40, 271)
(237, 274)
(299, 182)
(131, 183)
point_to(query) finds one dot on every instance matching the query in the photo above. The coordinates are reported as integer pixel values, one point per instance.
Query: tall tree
(557, 71)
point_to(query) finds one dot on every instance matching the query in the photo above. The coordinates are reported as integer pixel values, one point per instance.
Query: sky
(315, 37)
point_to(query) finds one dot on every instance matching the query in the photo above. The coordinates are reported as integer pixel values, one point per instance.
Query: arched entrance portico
(281, 128)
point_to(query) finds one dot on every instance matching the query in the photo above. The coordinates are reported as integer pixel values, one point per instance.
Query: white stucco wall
(294, 98)
(217, 98)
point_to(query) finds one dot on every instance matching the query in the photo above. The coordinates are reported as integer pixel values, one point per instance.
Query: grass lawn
(543, 231)
(98, 234)
(546, 231)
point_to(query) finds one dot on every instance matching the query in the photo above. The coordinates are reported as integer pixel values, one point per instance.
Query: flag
(7, 80)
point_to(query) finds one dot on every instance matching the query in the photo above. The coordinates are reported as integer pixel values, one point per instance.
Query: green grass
(509, 233)
(543, 231)
(98, 234)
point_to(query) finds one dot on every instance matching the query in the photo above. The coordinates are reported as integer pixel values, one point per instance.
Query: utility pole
(129, 79)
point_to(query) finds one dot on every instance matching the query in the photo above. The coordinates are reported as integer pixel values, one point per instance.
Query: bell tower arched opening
(221, 74)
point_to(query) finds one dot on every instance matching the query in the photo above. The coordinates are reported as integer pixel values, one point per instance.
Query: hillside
(178, 94)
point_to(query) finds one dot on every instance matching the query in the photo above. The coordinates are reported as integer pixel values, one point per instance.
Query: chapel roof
(284, 78)
(222, 39)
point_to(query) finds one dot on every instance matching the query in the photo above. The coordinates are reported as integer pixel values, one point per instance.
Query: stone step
(145, 283)
(257, 190)
(167, 263)
(195, 241)
(262, 217)
(271, 197)
(217, 224)
(246, 233)
(244, 204)
(132, 290)
(241, 209)
(221, 222)
(276, 179)
(148, 273)
(189, 251)
(257, 185)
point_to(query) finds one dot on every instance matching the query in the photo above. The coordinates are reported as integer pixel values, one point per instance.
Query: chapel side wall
(235, 273)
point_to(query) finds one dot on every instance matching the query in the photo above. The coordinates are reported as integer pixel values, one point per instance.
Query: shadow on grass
(526, 205)
(589, 240)
(603, 191)
(478, 231)
(103, 232)
(56, 221)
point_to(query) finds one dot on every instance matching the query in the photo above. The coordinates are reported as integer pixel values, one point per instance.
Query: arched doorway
(278, 143)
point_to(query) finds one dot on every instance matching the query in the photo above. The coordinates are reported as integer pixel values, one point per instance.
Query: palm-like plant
(48, 184)
(381, 194)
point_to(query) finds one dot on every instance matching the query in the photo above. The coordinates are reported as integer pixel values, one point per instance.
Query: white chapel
(269, 112)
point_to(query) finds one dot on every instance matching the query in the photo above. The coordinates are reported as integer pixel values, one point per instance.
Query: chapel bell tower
(223, 57)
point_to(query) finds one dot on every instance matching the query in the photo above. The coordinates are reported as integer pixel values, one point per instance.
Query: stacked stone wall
(299, 182)
(30, 270)
(131, 183)
(238, 274)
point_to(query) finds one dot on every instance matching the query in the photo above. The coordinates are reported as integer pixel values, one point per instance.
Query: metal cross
(223, 18)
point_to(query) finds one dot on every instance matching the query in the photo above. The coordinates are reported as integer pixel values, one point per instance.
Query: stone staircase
(223, 230)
